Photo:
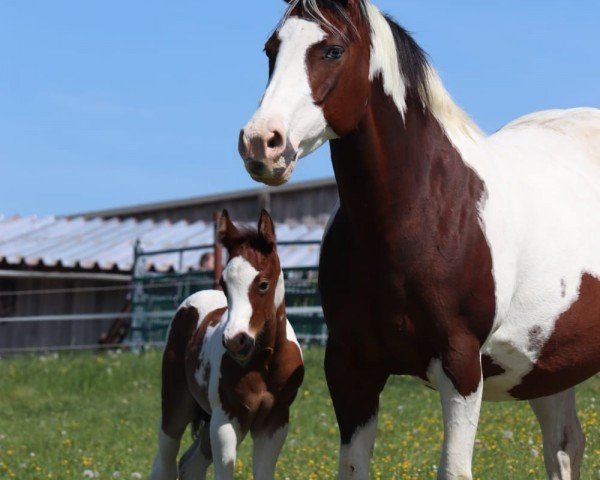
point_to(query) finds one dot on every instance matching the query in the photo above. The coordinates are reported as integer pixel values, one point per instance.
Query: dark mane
(412, 60)
(411, 57)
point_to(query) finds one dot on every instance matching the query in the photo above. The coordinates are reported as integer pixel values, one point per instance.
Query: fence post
(137, 317)
(218, 251)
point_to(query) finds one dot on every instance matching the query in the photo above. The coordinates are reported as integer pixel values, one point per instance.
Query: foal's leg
(194, 463)
(355, 390)
(563, 438)
(177, 413)
(461, 403)
(165, 462)
(266, 449)
(225, 436)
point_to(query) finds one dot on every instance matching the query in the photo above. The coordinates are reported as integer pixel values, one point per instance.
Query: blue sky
(112, 103)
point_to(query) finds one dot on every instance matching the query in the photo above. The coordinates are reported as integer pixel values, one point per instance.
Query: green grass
(61, 416)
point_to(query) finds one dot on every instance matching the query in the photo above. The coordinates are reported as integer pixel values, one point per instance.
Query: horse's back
(579, 127)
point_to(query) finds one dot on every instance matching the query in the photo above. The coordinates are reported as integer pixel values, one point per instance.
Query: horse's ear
(226, 230)
(266, 228)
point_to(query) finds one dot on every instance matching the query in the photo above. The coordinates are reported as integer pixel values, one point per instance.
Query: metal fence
(157, 295)
(154, 298)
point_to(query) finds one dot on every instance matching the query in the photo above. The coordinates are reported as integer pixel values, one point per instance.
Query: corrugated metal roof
(107, 245)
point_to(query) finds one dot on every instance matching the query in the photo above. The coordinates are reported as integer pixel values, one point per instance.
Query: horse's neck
(394, 174)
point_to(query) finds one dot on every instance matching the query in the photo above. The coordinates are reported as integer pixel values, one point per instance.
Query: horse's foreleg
(459, 382)
(564, 441)
(355, 390)
(225, 436)
(266, 449)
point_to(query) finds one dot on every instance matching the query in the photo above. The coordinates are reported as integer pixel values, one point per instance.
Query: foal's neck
(397, 176)
(274, 333)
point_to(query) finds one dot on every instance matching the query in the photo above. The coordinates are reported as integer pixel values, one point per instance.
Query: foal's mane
(419, 78)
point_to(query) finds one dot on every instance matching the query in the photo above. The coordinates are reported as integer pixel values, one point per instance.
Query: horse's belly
(530, 358)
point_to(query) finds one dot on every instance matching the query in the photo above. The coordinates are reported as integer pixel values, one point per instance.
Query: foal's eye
(263, 286)
(334, 52)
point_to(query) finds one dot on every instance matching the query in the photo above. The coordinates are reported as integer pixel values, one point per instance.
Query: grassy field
(61, 416)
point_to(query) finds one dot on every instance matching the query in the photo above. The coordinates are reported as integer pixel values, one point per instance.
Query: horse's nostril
(275, 141)
(255, 167)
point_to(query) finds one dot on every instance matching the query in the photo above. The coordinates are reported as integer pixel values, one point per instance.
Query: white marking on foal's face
(238, 276)
(288, 100)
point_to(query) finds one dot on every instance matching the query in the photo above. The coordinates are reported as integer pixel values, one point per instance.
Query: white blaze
(288, 98)
(238, 276)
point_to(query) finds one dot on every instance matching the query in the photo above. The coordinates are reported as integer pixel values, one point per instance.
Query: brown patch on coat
(406, 271)
(490, 368)
(260, 392)
(572, 352)
(178, 405)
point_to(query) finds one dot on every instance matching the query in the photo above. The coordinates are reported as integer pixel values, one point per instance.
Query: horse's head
(252, 281)
(319, 85)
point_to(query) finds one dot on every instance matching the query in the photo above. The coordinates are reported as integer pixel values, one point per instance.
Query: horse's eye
(334, 52)
(263, 287)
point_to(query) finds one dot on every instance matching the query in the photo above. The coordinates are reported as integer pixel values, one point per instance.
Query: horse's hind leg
(561, 431)
(194, 463)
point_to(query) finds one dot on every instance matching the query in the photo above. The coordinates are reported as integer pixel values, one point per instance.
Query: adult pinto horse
(471, 262)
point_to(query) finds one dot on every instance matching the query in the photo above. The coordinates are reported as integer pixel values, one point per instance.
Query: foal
(232, 364)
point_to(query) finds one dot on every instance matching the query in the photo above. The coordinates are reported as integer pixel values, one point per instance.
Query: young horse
(232, 364)
(470, 262)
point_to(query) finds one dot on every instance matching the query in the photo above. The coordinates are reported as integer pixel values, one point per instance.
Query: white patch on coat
(288, 98)
(542, 225)
(355, 457)
(291, 336)
(239, 275)
(205, 302)
(279, 291)
(461, 416)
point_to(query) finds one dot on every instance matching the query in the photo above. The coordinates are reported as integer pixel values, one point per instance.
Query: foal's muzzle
(240, 346)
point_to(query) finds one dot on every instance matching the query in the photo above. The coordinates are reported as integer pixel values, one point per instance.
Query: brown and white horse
(232, 365)
(471, 262)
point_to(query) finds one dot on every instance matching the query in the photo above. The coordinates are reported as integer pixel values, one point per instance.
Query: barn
(65, 281)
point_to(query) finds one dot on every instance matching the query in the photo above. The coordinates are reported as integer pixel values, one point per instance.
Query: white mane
(384, 61)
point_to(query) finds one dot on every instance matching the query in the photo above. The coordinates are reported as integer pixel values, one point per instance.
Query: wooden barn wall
(63, 333)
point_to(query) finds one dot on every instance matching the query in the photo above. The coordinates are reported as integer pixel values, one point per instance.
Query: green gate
(157, 295)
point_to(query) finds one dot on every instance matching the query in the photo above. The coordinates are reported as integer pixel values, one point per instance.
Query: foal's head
(252, 281)
(323, 58)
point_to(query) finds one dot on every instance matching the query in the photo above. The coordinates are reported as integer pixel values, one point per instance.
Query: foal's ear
(266, 228)
(226, 230)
